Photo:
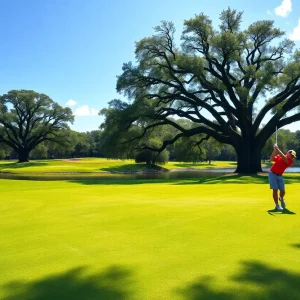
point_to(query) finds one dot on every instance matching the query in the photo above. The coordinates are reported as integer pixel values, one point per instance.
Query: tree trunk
(249, 158)
(23, 155)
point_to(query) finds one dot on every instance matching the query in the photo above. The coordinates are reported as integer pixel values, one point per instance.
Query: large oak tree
(28, 118)
(235, 85)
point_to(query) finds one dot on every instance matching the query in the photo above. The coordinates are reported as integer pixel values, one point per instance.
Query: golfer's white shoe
(277, 207)
(282, 202)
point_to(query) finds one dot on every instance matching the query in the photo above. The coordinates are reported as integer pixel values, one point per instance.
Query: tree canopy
(235, 85)
(28, 118)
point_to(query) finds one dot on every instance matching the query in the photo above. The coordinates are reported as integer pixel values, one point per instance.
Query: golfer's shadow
(274, 212)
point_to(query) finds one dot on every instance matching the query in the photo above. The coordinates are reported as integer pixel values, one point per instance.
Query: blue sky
(74, 49)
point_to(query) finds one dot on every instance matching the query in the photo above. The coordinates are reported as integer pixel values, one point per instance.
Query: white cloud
(296, 33)
(284, 9)
(85, 110)
(71, 103)
(94, 112)
(269, 12)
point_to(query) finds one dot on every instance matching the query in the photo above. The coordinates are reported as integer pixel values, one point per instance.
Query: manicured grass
(201, 165)
(64, 165)
(86, 165)
(208, 238)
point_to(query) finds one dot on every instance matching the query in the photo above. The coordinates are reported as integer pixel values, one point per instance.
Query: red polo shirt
(280, 165)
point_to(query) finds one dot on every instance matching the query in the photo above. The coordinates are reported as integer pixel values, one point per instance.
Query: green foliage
(153, 156)
(227, 44)
(190, 63)
(144, 156)
(230, 20)
(261, 32)
(162, 158)
(227, 153)
(150, 157)
(287, 140)
(39, 152)
(95, 139)
(28, 118)
(5, 151)
(291, 71)
(186, 150)
(212, 149)
(226, 82)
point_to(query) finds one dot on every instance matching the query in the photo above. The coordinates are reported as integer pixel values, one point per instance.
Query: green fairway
(65, 165)
(86, 165)
(190, 239)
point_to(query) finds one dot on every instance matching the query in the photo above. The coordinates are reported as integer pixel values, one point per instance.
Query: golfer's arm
(282, 155)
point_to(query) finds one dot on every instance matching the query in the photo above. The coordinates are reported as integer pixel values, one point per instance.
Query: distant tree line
(33, 126)
(96, 144)
(78, 145)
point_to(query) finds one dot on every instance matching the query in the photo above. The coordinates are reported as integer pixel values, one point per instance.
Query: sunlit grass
(63, 165)
(208, 238)
(86, 165)
(201, 165)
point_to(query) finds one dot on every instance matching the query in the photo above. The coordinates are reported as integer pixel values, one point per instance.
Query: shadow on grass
(225, 179)
(113, 284)
(296, 246)
(255, 281)
(135, 168)
(275, 212)
(16, 165)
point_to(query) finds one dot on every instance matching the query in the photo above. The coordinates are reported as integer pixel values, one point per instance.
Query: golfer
(281, 162)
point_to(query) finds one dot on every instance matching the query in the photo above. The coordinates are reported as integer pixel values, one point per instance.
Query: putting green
(187, 239)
